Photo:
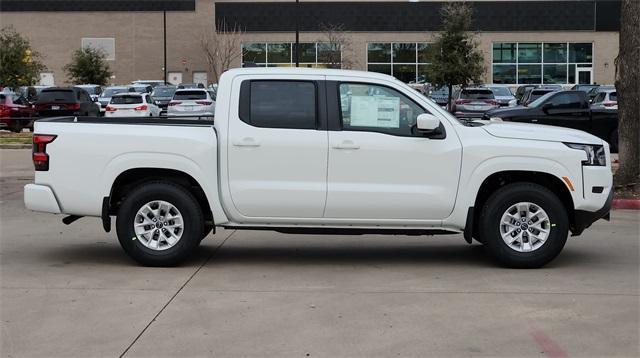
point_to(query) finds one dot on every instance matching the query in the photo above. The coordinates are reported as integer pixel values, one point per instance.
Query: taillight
(174, 103)
(110, 109)
(492, 102)
(462, 101)
(609, 104)
(206, 103)
(74, 106)
(141, 108)
(40, 156)
(5, 111)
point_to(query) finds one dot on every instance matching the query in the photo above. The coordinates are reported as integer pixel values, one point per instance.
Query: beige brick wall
(138, 41)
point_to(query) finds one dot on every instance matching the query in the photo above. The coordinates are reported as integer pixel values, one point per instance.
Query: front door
(277, 155)
(584, 75)
(380, 167)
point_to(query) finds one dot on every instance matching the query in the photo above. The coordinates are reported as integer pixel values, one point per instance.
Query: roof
(308, 72)
(127, 94)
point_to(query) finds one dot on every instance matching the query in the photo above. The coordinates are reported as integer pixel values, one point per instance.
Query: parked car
(192, 103)
(568, 109)
(152, 83)
(31, 92)
(141, 88)
(162, 95)
(440, 95)
(606, 98)
(473, 102)
(522, 90)
(584, 87)
(66, 101)
(16, 112)
(190, 85)
(535, 93)
(93, 90)
(602, 88)
(280, 157)
(108, 92)
(132, 105)
(502, 94)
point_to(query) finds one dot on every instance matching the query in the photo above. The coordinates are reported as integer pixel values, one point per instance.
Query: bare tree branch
(337, 47)
(222, 46)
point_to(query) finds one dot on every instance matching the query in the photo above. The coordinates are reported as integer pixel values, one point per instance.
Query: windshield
(109, 92)
(164, 92)
(126, 99)
(476, 94)
(501, 91)
(90, 89)
(57, 95)
(540, 99)
(190, 95)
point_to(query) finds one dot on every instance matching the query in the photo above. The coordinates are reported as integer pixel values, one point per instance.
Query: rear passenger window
(279, 104)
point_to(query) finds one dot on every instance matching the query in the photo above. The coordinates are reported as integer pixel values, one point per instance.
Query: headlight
(513, 103)
(595, 153)
(495, 119)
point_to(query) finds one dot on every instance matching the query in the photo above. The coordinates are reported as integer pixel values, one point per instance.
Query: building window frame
(567, 63)
(292, 60)
(392, 63)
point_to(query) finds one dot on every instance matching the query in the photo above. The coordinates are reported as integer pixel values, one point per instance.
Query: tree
(628, 89)
(222, 47)
(88, 65)
(456, 58)
(335, 47)
(20, 65)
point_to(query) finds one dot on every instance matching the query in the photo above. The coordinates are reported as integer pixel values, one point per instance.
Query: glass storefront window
(405, 73)
(379, 52)
(404, 53)
(386, 69)
(529, 53)
(254, 52)
(555, 53)
(580, 52)
(504, 52)
(279, 53)
(529, 73)
(282, 54)
(425, 53)
(539, 62)
(505, 74)
(555, 74)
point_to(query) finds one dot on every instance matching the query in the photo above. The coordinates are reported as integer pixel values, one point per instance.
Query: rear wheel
(524, 225)
(159, 224)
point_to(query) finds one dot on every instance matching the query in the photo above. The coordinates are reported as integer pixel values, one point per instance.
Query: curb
(15, 146)
(626, 204)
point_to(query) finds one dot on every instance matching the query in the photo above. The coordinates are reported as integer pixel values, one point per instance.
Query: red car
(16, 112)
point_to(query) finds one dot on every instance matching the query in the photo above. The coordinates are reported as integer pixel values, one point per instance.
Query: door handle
(247, 142)
(534, 120)
(346, 144)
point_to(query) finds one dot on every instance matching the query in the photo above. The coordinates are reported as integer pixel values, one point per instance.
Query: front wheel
(524, 225)
(159, 224)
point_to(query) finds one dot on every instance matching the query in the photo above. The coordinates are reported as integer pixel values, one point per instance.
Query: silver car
(473, 102)
(192, 103)
(502, 94)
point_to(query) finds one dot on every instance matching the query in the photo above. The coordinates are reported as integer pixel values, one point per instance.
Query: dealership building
(523, 41)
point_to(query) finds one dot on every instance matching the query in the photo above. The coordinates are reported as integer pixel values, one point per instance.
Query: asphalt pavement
(70, 291)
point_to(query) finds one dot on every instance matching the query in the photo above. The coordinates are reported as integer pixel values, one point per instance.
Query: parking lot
(71, 291)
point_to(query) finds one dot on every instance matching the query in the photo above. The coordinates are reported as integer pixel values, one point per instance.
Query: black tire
(497, 205)
(179, 197)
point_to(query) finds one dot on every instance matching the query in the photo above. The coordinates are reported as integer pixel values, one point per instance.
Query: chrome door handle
(347, 144)
(247, 142)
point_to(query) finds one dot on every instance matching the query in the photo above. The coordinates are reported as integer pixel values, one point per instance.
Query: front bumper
(583, 218)
(40, 198)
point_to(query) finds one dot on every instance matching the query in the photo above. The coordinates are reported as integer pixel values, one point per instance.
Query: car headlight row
(595, 153)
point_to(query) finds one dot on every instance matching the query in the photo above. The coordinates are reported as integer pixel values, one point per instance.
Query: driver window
(375, 108)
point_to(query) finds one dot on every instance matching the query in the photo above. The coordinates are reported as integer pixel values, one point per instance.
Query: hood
(507, 112)
(539, 132)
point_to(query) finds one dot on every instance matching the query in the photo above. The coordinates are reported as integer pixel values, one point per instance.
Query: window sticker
(375, 111)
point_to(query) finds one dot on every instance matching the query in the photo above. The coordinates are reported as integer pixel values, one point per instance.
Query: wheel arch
(500, 179)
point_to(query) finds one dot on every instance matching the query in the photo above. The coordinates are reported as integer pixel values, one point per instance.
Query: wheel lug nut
(530, 223)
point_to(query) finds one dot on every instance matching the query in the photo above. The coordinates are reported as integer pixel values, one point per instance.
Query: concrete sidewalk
(69, 291)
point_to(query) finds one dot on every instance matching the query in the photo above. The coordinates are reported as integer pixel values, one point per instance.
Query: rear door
(380, 167)
(277, 148)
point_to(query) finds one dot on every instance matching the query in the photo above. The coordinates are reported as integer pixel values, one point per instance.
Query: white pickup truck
(324, 152)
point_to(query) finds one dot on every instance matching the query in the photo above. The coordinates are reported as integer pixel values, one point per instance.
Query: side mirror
(427, 122)
(547, 106)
